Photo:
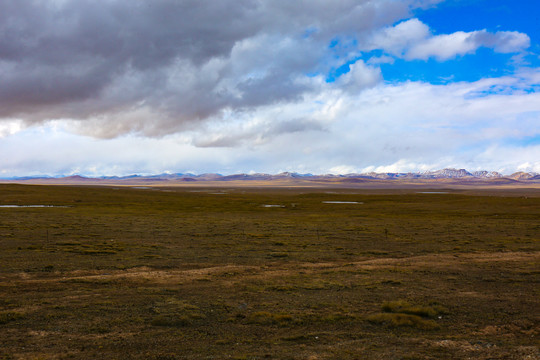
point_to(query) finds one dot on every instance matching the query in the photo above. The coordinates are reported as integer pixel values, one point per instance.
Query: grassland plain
(202, 273)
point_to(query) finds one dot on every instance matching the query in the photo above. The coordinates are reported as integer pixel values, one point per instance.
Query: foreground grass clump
(398, 319)
(402, 313)
(402, 306)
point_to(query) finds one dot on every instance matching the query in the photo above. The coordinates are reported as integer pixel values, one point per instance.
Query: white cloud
(508, 159)
(396, 39)
(381, 60)
(443, 47)
(503, 41)
(402, 166)
(530, 167)
(12, 127)
(343, 169)
(360, 77)
(413, 39)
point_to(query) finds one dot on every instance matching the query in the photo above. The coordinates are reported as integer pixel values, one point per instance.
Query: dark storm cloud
(115, 62)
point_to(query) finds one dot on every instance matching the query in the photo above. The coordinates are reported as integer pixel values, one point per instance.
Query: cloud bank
(413, 126)
(165, 66)
(158, 67)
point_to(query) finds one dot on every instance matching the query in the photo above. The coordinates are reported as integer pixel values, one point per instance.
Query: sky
(120, 87)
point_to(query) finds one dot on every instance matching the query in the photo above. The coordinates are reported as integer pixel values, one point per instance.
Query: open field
(213, 273)
(322, 182)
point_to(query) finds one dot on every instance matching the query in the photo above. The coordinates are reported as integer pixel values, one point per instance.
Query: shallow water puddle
(432, 192)
(342, 202)
(32, 206)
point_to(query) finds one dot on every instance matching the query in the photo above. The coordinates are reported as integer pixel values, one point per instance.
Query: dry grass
(401, 319)
(146, 274)
(402, 306)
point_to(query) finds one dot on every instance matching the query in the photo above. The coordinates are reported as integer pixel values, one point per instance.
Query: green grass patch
(401, 306)
(398, 320)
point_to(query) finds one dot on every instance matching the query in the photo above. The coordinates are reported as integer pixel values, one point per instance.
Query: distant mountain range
(451, 174)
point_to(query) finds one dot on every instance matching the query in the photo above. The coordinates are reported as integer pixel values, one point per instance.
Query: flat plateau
(209, 272)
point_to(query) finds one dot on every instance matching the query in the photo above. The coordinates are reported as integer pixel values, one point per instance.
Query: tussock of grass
(398, 319)
(68, 243)
(171, 320)
(278, 255)
(267, 318)
(282, 288)
(331, 318)
(164, 357)
(8, 316)
(175, 313)
(297, 338)
(401, 306)
(402, 313)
